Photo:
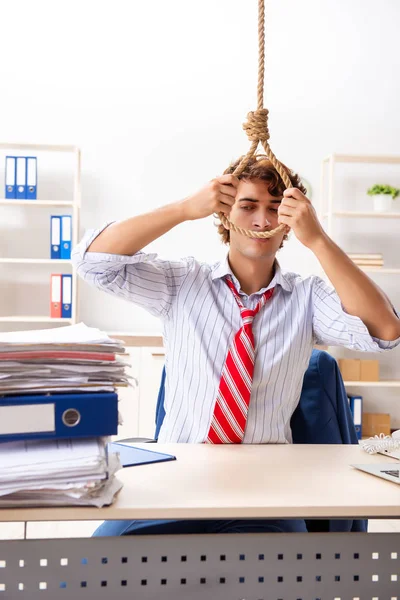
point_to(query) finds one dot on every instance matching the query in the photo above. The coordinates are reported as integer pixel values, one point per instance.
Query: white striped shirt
(200, 317)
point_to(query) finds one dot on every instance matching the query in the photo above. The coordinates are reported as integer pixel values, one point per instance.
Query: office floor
(63, 529)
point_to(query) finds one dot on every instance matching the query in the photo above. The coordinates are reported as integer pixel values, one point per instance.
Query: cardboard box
(354, 369)
(375, 424)
(350, 369)
(369, 370)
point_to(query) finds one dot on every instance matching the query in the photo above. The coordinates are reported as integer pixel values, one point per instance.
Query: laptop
(389, 471)
(391, 453)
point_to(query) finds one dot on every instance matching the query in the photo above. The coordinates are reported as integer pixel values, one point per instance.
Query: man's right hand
(132, 235)
(217, 196)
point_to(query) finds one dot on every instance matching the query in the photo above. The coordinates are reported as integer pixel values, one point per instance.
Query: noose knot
(256, 126)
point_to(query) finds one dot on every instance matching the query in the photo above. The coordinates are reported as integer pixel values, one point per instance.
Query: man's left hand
(298, 213)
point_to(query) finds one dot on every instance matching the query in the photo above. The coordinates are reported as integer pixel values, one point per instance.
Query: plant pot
(383, 202)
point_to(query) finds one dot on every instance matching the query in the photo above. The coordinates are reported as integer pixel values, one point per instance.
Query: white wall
(155, 94)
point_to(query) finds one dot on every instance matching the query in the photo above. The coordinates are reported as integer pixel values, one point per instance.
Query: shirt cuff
(88, 238)
(359, 326)
(388, 344)
(80, 252)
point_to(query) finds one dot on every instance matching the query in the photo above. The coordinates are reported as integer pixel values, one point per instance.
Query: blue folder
(58, 416)
(356, 403)
(131, 456)
(55, 237)
(10, 177)
(66, 236)
(31, 177)
(66, 296)
(21, 178)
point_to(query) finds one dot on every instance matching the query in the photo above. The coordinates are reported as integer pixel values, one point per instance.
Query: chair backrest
(160, 411)
(322, 415)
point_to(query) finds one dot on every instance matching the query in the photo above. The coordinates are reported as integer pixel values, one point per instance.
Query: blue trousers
(160, 527)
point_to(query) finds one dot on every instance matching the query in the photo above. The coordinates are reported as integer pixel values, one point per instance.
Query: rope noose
(256, 129)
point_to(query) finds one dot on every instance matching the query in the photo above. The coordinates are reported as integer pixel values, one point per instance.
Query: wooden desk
(282, 481)
(232, 481)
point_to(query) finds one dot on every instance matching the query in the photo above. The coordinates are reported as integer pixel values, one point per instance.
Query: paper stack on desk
(58, 407)
(64, 359)
(60, 383)
(54, 473)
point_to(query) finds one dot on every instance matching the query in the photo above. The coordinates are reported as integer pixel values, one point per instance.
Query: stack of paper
(54, 473)
(64, 359)
(57, 408)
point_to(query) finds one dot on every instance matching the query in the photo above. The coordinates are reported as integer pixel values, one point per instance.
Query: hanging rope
(256, 129)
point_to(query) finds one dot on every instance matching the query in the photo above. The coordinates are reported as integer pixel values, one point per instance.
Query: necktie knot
(248, 314)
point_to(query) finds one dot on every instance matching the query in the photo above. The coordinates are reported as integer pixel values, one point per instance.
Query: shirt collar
(222, 269)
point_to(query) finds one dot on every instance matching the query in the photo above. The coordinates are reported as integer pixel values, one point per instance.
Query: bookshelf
(330, 213)
(360, 214)
(34, 261)
(381, 383)
(37, 203)
(73, 205)
(328, 209)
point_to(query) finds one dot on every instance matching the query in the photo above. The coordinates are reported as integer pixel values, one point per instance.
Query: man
(220, 319)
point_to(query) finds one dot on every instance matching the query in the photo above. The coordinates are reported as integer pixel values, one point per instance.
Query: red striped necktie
(233, 399)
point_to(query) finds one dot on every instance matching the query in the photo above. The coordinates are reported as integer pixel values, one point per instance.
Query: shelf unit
(329, 164)
(33, 320)
(74, 204)
(360, 214)
(382, 383)
(35, 261)
(328, 213)
(37, 203)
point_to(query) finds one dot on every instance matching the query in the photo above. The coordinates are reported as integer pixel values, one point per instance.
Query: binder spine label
(36, 418)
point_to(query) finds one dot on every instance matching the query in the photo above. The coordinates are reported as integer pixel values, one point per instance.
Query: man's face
(257, 210)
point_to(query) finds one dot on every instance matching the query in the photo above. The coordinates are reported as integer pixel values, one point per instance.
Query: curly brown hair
(260, 167)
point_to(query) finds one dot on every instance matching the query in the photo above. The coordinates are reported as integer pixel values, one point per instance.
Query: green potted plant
(383, 196)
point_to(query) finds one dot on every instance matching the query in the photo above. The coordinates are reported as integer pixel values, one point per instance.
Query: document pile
(57, 472)
(58, 405)
(63, 359)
